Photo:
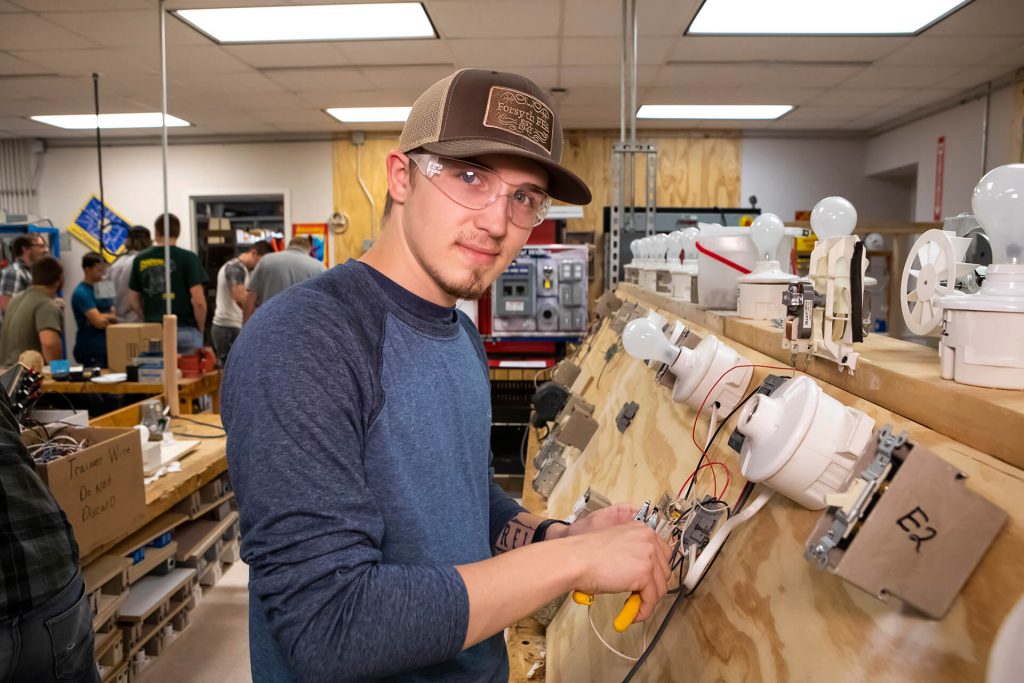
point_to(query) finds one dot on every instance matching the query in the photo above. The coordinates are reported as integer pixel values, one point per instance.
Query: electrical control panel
(542, 293)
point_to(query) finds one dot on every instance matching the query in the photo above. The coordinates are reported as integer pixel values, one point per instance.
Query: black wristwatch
(542, 529)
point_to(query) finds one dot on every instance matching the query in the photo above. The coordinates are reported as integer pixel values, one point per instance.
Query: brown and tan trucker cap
(477, 111)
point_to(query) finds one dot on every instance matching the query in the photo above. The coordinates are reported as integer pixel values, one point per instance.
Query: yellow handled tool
(626, 615)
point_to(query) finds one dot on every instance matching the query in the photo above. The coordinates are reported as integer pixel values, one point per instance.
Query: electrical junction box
(542, 293)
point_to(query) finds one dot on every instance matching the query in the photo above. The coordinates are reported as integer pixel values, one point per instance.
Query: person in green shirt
(33, 320)
(147, 286)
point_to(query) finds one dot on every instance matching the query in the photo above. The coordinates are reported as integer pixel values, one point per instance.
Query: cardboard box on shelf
(100, 487)
(127, 340)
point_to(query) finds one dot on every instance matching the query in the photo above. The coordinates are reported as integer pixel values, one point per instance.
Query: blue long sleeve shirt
(358, 419)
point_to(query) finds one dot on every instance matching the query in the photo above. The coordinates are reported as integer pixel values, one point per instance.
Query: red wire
(728, 477)
(693, 431)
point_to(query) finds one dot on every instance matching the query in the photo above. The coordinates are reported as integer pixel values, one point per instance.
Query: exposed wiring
(714, 436)
(590, 617)
(697, 569)
(693, 431)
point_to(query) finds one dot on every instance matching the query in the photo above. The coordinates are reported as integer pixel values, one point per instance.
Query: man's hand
(596, 521)
(623, 558)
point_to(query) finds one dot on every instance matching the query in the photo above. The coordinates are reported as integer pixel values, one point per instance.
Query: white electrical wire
(698, 567)
(590, 617)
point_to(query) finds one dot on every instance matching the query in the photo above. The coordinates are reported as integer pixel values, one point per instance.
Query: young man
(17, 277)
(33, 319)
(232, 279)
(378, 545)
(121, 270)
(45, 618)
(148, 287)
(92, 315)
(279, 271)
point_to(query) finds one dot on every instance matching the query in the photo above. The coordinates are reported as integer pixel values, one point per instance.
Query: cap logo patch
(521, 114)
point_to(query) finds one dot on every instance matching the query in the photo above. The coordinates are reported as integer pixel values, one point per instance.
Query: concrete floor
(215, 646)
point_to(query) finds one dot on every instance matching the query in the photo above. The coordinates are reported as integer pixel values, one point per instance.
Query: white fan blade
(912, 296)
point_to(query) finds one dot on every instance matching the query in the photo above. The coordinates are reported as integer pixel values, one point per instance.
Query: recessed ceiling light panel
(370, 114)
(734, 112)
(151, 119)
(820, 17)
(299, 23)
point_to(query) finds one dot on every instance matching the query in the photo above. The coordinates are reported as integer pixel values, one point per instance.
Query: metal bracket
(850, 505)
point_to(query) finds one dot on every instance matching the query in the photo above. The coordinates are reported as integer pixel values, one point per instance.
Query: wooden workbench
(198, 468)
(188, 389)
(763, 612)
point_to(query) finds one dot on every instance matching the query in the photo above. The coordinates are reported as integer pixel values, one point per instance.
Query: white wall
(133, 186)
(790, 175)
(916, 143)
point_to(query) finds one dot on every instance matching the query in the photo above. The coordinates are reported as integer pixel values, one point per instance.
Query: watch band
(542, 529)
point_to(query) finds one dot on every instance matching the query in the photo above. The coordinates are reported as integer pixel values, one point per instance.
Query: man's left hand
(596, 521)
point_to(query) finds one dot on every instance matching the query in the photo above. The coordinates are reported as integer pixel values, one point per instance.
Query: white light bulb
(659, 246)
(676, 244)
(643, 339)
(767, 231)
(833, 217)
(998, 204)
(690, 237)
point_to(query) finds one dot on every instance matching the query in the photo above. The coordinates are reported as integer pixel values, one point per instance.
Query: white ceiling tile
(100, 60)
(859, 96)
(250, 101)
(983, 18)
(307, 115)
(373, 52)
(78, 5)
(816, 76)
(270, 55)
(606, 97)
(900, 76)
(949, 51)
(359, 98)
(23, 107)
(924, 96)
(10, 65)
(211, 59)
(508, 19)
(880, 116)
(320, 80)
(234, 83)
(603, 76)
(599, 51)
(32, 32)
(722, 94)
(125, 28)
(501, 52)
(6, 6)
(405, 76)
(971, 76)
(586, 18)
(1010, 57)
(833, 114)
(699, 75)
(328, 125)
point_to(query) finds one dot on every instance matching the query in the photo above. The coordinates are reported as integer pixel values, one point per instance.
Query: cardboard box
(128, 340)
(99, 488)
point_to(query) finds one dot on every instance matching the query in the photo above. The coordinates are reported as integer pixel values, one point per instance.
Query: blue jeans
(266, 660)
(189, 339)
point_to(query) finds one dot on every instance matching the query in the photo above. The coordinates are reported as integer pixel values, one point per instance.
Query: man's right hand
(623, 558)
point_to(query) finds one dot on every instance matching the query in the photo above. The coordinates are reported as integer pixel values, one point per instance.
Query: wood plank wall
(693, 170)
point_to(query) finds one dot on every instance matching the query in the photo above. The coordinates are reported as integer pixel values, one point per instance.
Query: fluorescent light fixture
(370, 114)
(149, 119)
(311, 22)
(713, 111)
(819, 17)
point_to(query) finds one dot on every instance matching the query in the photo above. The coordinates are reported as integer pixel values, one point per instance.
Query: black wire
(522, 446)
(668, 617)
(714, 437)
(199, 436)
(200, 423)
(744, 495)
